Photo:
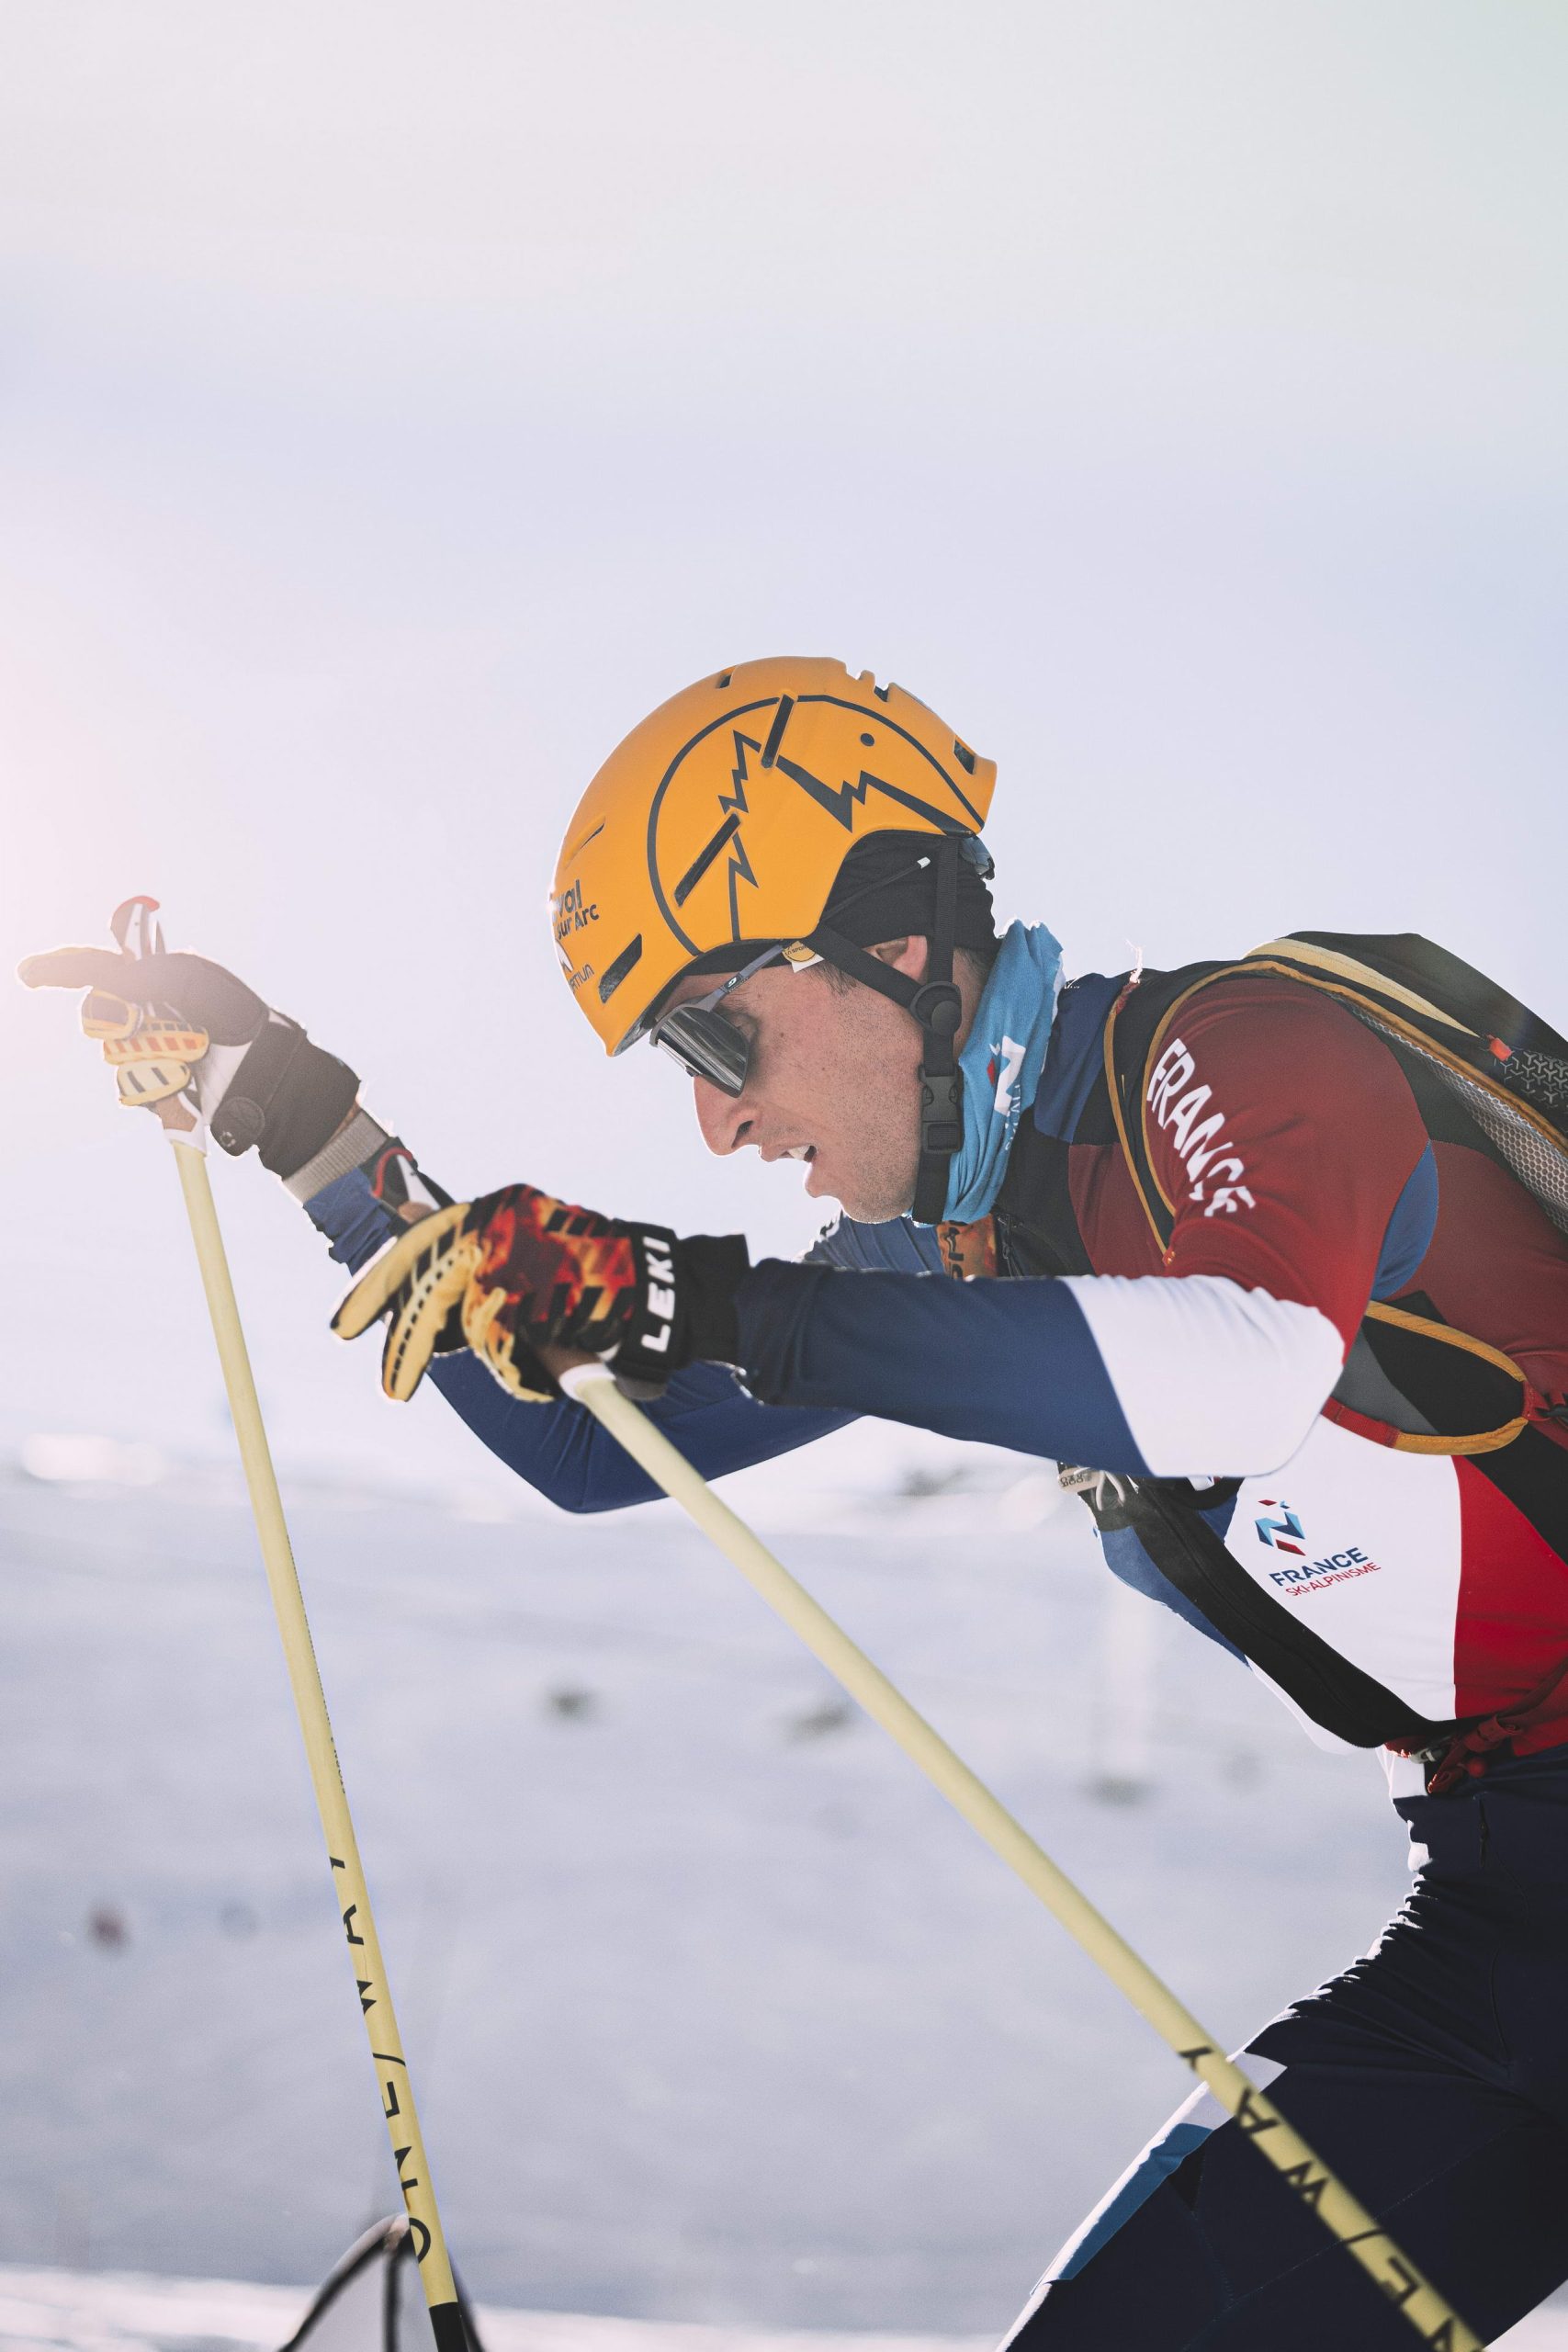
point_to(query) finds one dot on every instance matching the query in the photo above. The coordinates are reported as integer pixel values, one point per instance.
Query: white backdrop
(398, 402)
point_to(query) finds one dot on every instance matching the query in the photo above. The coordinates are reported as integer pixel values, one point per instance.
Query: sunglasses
(707, 1044)
(697, 1034)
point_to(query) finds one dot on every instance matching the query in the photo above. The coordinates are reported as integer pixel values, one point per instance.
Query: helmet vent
(775, 732)
(963, 756)
(722, 683)
(705, 858)
(619, 969)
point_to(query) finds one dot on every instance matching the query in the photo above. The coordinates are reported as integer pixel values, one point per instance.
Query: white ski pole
(1311, 2179)
(351, 1893)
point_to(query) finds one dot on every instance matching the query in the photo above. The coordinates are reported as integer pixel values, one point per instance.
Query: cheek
(841, 1062)
(866, 1064)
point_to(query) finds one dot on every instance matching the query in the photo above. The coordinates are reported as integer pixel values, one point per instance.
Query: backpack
(1475, 1059)
(1467, 1047)
(1508, 1069)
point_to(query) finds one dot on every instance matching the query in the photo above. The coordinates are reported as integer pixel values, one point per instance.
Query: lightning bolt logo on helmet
(726, 816)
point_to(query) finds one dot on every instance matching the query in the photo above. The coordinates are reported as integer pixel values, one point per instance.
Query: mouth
(806, 1154)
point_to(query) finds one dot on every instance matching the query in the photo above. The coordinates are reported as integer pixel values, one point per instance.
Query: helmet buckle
(941, 1112)
(938, 1008)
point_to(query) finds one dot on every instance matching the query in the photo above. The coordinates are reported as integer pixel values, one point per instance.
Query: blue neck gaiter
(1001, 1064)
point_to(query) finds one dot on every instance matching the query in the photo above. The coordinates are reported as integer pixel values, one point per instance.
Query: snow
(62, 2310)
(714, 2013)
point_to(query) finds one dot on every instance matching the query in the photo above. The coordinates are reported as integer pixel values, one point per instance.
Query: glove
(518, 1272)
(177, 1026)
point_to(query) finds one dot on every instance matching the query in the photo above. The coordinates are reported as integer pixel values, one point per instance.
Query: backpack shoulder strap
(1135, 1034)
(1430, 983)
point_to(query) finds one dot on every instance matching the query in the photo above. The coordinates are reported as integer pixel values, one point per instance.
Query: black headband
(884, 889)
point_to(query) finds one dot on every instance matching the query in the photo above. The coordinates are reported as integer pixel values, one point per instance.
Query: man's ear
(909, 956)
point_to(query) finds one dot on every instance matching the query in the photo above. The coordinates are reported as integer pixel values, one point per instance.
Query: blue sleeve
(559, 1448)
(1007, 1363)
(564, 1452)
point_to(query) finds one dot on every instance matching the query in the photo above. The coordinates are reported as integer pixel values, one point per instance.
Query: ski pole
(326, 1777)
(1306, 2174)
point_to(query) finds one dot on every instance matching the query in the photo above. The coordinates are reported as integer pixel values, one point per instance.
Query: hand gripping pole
(351, 1895)
(1308, 2175)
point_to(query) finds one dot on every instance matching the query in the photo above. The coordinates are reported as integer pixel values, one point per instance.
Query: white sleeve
(1214, 1380)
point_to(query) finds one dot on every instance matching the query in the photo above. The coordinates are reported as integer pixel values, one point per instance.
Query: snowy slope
(63, 2311)
(714, 2013)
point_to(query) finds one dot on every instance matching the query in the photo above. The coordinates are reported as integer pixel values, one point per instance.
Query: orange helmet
(726, 816)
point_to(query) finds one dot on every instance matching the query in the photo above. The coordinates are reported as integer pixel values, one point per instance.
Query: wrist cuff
(288, 1097)
(685, 1303)
(349, 1148)
(709, 1268)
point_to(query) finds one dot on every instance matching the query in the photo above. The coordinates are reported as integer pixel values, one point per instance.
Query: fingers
(416, 1282)
(200, 991)
(109, 1018)
(419, 1314)
(439, 1286)
(76, 968)
(230, 1013)
(369, 1298)
(481, 1305)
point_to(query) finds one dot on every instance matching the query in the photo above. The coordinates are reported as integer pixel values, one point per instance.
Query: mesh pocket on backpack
(1540, 1163)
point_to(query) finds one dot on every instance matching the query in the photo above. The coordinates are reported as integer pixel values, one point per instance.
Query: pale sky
(396, 402)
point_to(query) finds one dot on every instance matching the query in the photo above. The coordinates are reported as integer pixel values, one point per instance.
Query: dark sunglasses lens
(705, 1044)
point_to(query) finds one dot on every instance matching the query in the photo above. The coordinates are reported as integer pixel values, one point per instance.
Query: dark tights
(1432, 2076)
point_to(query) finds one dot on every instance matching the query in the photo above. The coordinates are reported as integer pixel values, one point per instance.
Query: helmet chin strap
(936, 1005)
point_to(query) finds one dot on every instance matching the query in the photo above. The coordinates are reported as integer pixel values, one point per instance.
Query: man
(1278, 1250)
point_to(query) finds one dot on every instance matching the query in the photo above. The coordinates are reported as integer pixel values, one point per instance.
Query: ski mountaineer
(1275, 1248)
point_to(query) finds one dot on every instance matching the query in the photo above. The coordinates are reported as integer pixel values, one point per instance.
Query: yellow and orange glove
(518, 1271)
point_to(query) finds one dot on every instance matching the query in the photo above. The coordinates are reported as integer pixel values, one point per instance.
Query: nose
(725, 1122)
